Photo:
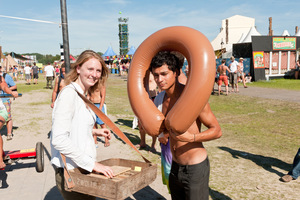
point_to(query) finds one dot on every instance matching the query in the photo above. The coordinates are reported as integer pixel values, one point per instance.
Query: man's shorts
(4, 114)
(98, 120)
(233, 78)
(189, 181)
(7, 105)
(223, 78)
(27, 76)
(35, 76)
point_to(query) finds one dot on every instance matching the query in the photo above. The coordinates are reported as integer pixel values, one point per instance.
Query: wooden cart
(132, 177)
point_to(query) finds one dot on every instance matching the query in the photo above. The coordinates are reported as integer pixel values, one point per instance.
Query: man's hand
(15, 94)
(184, 137)
(164, 140)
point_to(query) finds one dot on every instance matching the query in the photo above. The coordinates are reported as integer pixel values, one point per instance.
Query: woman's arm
(54, 93)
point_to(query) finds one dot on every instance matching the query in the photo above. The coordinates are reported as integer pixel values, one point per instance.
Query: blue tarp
(131, 50)
(109, 52)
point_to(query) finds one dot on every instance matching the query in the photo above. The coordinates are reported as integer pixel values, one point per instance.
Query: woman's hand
(102, 132)
(107, 171)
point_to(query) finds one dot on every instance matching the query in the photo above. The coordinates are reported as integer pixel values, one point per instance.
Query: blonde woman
(73, 122)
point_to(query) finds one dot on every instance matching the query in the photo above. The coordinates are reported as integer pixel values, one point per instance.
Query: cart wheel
(39, 157)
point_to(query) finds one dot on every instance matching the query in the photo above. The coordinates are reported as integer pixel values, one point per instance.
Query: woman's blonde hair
(84, 57)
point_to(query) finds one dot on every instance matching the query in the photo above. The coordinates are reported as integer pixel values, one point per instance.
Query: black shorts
(189, 181)
(36, 76)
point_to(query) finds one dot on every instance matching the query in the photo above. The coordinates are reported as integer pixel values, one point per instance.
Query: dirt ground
(236, 172)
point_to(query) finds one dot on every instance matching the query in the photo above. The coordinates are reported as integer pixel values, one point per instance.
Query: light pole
(65, 34)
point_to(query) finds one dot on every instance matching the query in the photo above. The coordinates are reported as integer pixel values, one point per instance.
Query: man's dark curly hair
(165, 58)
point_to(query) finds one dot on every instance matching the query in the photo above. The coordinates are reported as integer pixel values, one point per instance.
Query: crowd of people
(231, 74)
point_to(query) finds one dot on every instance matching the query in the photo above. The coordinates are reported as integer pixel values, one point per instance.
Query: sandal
(138, 146)
(9, 137)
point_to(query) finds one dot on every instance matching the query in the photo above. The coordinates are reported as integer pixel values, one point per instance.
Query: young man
(190, 166)
(50, 75)
(223, 77)
(27, 70)
(35, 73)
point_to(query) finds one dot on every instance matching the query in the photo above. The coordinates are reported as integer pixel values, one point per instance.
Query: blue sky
(93, 24)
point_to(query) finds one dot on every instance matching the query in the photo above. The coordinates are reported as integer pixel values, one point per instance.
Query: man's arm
(227, 69)
(6, 89)
(208, 119)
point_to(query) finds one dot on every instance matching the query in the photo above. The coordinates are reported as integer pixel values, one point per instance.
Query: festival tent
(109, 52)
(242, 38)
(131, 50)
(285, 33)
(8, 62)
(252, 32)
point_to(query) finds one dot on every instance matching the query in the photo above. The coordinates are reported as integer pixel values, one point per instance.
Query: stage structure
(123, 35)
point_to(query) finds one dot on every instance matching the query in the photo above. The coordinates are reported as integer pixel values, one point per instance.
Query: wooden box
(137, 176)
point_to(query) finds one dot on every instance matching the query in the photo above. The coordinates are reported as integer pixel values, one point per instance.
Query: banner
(284, 43)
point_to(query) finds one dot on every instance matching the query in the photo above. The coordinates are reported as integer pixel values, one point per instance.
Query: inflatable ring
(201, 58)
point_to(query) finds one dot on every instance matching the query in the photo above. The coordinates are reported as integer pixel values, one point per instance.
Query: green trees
(45, 59)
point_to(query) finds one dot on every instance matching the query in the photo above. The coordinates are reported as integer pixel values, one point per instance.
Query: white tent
(242, 38)
(252, 32)
(285, 33)
(8, 62)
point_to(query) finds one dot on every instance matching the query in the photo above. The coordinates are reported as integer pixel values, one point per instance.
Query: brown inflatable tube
(201, 58)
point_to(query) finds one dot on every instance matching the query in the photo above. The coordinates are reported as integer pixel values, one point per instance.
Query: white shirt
(158, 101)
(233, 66)
(72, 125)
(49, 69)
(27, 70)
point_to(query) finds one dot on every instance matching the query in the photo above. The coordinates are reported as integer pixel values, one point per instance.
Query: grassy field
(290, 84)
(253, 120)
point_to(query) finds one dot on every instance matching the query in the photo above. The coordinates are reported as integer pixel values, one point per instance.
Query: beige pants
(60, 181)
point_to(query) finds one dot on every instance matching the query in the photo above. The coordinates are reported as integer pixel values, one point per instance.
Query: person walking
(240, 72)
(295, 171)
(35, 73)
